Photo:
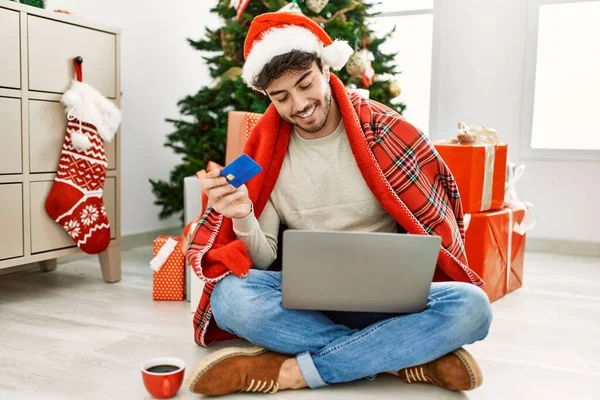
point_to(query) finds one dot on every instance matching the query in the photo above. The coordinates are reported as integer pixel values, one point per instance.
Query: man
(332, 161)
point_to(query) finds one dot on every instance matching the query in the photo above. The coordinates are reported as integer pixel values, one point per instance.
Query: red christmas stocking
(75, 200)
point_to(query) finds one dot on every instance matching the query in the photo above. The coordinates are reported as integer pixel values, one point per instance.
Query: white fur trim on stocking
(278, 41)
(87, 104)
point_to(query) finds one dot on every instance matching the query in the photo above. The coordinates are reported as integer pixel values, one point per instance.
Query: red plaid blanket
(398, 163)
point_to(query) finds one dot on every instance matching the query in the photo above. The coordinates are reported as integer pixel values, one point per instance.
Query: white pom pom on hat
(277, 33)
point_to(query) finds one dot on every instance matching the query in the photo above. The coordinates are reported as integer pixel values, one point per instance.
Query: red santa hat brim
(274, 34)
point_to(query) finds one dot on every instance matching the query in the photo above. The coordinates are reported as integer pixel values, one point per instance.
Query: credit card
(241, 170)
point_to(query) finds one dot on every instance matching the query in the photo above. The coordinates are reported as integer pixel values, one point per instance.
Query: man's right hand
(224, 198)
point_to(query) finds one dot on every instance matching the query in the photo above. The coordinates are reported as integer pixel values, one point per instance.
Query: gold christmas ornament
(394, 88)
(232, 73)
(316, 6)
(356, 65)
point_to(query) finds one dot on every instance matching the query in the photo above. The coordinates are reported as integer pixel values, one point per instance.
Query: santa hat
(277, 33)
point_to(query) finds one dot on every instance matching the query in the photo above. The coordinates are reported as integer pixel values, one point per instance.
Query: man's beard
(320, 126)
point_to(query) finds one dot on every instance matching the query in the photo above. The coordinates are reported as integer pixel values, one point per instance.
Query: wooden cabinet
(37, 48)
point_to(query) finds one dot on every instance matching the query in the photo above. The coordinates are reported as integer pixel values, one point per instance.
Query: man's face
(303, 98)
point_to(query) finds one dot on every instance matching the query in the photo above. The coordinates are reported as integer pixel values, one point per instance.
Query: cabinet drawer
(111, 152)
(52, 47)
(47, 129)
(110, 203)
(10, 136)
(10, 54)
(46, 234)
(11, 220)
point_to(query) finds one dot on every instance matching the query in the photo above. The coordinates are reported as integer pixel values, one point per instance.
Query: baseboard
(559, 246)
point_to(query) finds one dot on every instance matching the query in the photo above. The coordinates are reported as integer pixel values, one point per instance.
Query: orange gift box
(489, 240)
(479, 171)
(169, 269)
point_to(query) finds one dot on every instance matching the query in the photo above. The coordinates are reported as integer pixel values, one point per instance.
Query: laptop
(357, 271)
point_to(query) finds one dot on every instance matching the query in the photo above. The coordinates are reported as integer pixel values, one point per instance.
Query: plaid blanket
(398, 163)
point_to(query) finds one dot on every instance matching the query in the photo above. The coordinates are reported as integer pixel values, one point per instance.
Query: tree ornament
(232, 74)
(316, 6)
(292, 7)
(368, 73)
(394, 88)
(356, 65)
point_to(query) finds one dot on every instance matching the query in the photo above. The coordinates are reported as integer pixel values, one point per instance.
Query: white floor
(68, 335)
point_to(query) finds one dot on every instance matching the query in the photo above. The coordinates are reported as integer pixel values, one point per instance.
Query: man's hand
(224, 198)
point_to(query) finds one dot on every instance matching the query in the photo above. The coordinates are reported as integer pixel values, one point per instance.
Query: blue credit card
(241, 170)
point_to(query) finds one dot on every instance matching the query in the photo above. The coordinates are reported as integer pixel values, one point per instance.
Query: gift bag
(169, 269)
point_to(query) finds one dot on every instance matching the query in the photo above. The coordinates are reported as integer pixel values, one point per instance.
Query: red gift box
(169, 269)
(489, 240)
(479, 171)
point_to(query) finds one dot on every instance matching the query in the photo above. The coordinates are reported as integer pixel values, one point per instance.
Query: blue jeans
(335, 347)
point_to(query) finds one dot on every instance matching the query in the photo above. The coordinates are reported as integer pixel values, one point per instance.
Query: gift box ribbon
(488, 177)
(514, 173)
(163, 254)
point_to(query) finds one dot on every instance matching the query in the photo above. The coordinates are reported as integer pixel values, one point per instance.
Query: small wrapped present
(169, 269)
(478, 163)
(487, 246)
(495, 246)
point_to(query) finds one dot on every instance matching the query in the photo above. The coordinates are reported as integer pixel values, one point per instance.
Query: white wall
(158, 68)
(478, 75)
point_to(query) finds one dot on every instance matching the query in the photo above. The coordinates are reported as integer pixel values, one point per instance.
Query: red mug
(160, 384)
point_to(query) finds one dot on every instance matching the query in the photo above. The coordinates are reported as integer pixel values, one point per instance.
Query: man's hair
(295, 60)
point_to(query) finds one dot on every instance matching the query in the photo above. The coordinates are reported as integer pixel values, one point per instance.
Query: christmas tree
(201, 135)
